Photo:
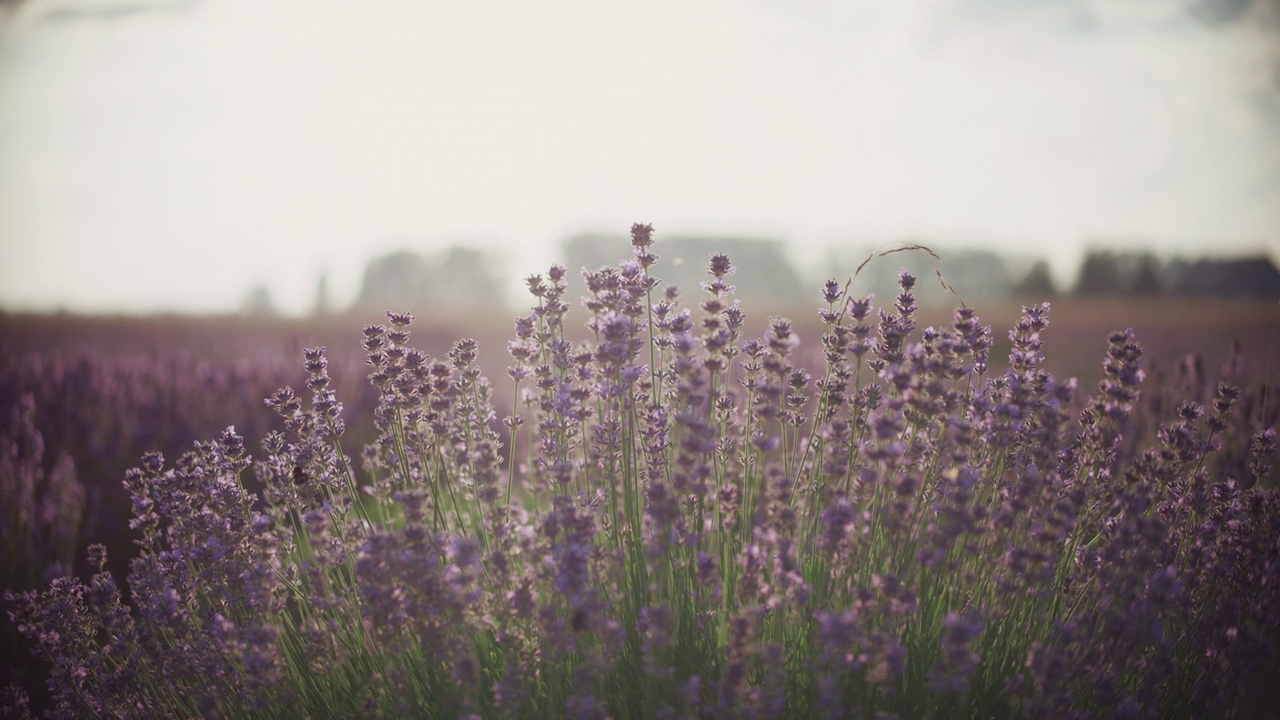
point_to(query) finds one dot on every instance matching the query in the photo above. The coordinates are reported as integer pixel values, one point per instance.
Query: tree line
(460, 277)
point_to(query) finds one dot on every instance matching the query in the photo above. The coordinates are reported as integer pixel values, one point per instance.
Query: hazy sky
(169, 154)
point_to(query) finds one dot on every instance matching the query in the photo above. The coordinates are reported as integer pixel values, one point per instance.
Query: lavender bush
(678, 521)
(79, 405)
(99, 411)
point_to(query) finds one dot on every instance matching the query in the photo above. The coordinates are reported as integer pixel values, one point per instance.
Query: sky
(168, 155)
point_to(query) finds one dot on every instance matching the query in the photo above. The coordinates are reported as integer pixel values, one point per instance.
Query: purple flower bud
(720, 265)
(400, 321)
(831, 292)
(641, 235)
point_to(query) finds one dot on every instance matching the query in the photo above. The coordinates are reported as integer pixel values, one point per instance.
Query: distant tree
(258, 302)
(1038, 282)
(322, 307)
(1100, 274)
(464, 276)
(1105, 272)
(973, 273)
(593, 251)
(1145, 275)
(395, 281)
(456, 277)
(1247, 277)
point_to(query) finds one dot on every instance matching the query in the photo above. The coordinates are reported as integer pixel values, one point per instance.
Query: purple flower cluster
(102, 410)
(676, 520)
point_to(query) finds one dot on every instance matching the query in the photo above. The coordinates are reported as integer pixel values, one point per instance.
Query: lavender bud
(641, 235)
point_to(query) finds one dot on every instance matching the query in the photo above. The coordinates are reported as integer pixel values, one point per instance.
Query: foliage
(1037, 282)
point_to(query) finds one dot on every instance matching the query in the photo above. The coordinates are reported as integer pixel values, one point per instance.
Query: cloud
(1220, 12)
(1063, 16)
(112, 11)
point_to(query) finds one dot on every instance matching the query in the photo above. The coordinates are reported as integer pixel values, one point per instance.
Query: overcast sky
(169, 154)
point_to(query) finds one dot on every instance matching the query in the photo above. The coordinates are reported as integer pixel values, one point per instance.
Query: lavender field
(649, 504)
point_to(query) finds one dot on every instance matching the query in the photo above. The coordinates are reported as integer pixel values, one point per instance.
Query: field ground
(1167, 328)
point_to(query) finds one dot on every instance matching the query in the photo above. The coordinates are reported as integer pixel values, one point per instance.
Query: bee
(300, 476)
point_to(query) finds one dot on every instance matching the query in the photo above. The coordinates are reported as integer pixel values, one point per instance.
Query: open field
(1167, 327)
(105, 391)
